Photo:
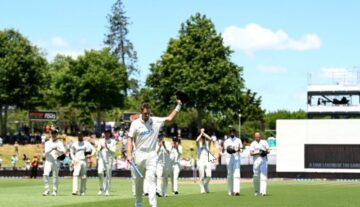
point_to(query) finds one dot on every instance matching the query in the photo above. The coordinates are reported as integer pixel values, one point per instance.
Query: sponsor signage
(42, 116)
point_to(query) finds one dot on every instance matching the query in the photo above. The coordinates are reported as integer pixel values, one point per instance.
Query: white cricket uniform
(259, 167)
(175, 157)
(204, 165)
(77, 151)
(164, 168)
(51, 163)
(233, 165)
(145, 135)
(105, 163)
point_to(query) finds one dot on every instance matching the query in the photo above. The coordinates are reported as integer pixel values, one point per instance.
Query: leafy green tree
(271, 117)
(198, 63)
(23, 74)
(117, 38)
(94, 82)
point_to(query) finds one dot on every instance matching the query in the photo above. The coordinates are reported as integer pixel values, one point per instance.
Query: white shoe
(256, 194)
(54, 193)
(263, 194)
(107, 193)
(100, 192)
(82, 194)
(46, 193)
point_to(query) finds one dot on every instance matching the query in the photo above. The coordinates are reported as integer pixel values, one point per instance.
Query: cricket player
(164, 168)
(80, 151)
(259, 150)
(233, 146)
(144, 133)
(54, 148)
(204, 165)
(106, 148)
(175, 157)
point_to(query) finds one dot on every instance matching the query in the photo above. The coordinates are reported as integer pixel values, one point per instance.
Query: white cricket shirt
(145, 134)
(78, 150)
(257, 146)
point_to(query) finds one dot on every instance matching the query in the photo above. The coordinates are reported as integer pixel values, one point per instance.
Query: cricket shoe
(107, 193)
(74, 193)
(100, 192)
(54, 193)
(46, 193)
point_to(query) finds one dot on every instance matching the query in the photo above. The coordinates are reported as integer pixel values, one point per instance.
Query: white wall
(292, 135)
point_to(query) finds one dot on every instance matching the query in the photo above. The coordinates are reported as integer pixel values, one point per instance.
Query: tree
(271, 117)
(117, 38)
(23, 74)
(94, 82)
(198, 63)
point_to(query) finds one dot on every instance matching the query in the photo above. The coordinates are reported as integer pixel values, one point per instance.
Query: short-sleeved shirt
(145, 134)
(256, 146)
(233, 142)
(51, 155)
(78, 149)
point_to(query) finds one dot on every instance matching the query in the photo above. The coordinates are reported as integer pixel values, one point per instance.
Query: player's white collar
(149, 121)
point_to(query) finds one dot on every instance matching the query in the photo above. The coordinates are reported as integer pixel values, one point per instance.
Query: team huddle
(154, 160)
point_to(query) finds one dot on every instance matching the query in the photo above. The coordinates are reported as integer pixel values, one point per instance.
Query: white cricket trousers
(146, 162)
(163, 172)
(233, 174)
(51, 166)
(204, 174)
(105, 180)
(175, 176)
(260, 175)
(80, 169)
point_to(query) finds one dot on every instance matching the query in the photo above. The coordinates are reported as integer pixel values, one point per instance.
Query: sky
(282, 45)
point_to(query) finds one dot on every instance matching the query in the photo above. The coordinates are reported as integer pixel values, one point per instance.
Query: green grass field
(25, 192)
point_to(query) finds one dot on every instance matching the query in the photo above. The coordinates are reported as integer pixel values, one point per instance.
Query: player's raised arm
(172, 115)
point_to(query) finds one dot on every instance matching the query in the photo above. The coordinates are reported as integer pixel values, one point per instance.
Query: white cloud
(59, 45)
(59, 42)
(340, 74)
(255, 37)
(272, 69)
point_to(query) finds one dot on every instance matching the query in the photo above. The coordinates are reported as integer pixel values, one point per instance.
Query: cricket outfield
(24, 192)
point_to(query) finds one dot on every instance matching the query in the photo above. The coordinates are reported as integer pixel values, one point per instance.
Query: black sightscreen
(334, 156)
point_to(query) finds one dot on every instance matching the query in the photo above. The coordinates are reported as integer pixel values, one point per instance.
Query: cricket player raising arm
(259, 150)
(175, 157)
(144, 133)
(54, 148)
(106, 149)
(80, 151)
(233, 146)
(164, 168)
(203, 142)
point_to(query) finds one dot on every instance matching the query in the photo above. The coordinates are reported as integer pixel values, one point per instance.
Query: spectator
(0, 163)
(34, 167)
(27, 164)
(13, 161)
(1, 141)
(16, 148)
(25, 157)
